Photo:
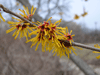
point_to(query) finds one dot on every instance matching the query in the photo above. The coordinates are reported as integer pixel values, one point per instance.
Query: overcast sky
(93, 9)
(76, 7)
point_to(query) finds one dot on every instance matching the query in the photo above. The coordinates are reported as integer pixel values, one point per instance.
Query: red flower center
(18, 26)
(69, 37)
(23, 26)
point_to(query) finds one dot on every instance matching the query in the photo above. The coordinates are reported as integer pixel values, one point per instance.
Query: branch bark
(82, 65)
(85, 46)
(12, 13)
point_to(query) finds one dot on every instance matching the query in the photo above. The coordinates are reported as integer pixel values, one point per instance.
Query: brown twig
(66, 42)
(10, 12)
(85, 46)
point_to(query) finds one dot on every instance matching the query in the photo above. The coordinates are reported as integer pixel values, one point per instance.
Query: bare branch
(66, 43)
(85, 46)
(10, 12)
(39, 4)
(49, 10)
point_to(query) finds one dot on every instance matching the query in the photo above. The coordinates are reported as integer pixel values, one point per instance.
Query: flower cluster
(48, 34)
(52, 38)
(21, 26)
(83, 15)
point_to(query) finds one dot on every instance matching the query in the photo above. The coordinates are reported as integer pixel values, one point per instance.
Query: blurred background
(17, 58)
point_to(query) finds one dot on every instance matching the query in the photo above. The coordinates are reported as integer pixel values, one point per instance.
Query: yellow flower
(64, 47)
(67, 36)
(97, 46)
(61, 50)
(52, 37)
(46, 33)
(84, 14)
(76, 16)
(2, 18)
(40, 38)
(19, 27)
(27, 16)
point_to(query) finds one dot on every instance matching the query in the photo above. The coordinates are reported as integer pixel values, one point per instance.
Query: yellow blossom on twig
(21, 26)
(46, 33)
(64, 48)
(84, 14)
(28, 15)
(76, 17)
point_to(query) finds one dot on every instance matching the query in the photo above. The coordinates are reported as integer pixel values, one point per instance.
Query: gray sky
(93, 9)
(91, 6)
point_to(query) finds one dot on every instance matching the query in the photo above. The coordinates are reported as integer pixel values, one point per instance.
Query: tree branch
(66, 42)
(10, 12)
(85, 46)
(82, 65)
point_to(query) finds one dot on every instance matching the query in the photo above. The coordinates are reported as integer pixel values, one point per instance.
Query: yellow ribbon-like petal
(2, 17)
